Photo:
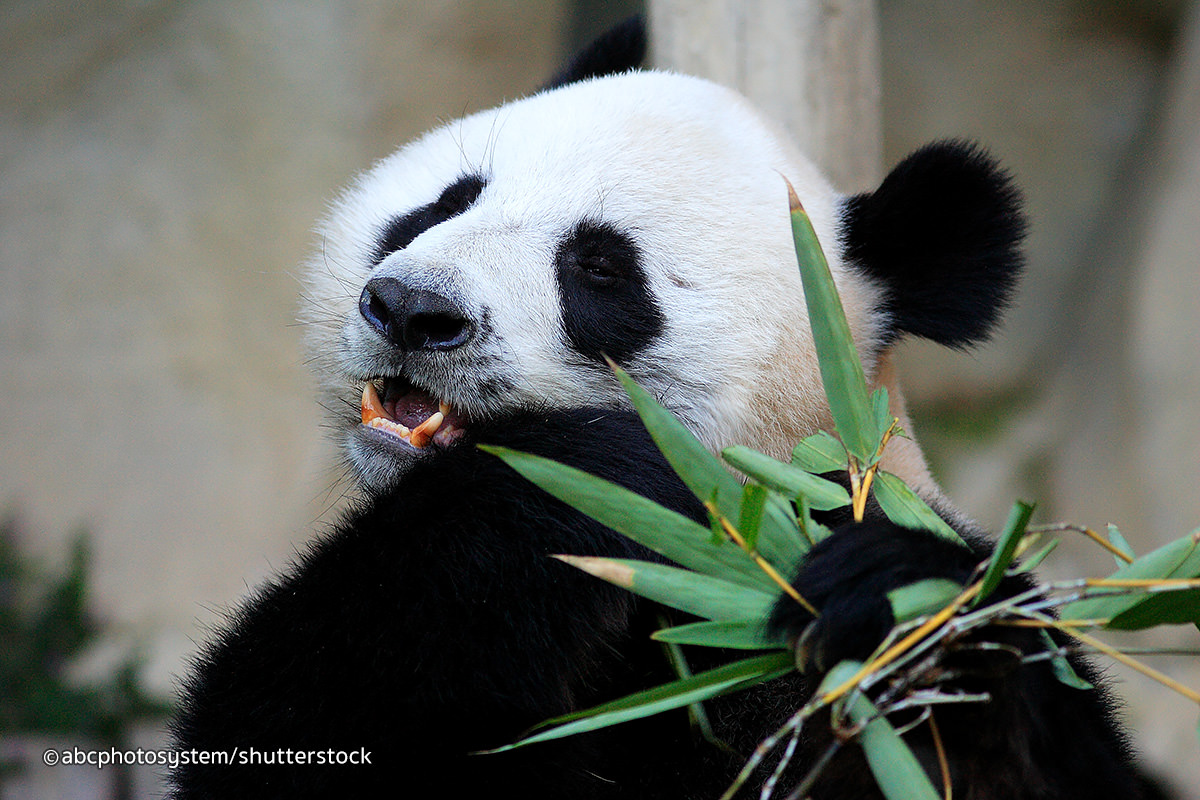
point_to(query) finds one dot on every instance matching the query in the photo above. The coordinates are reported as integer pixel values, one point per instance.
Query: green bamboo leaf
(710, 598)
(787, 479)
(1177, 559)
(662, 530)
(734, 635)
(778, 539)
(754, 501)
(904, 507)
(685, 692)
(882, 415)
(841, 370)
(1063, 670)
(1166, 608)
(697, 714)
(1118, 541)
(893, 764)
(699, 469)
(922, 598)
(1006, 548)
(812, 530)
(896, 770)
(714, 523)
(820, 453)
(1031, 563)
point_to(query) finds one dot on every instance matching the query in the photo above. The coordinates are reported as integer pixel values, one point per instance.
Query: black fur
(620, 49)
(607, 306)
(400, 231)
(432, 623)
(942, 233)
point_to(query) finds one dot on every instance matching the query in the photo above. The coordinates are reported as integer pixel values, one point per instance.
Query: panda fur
(490, 266)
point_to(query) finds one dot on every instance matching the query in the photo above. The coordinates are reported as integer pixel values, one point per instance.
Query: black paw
(847, 578)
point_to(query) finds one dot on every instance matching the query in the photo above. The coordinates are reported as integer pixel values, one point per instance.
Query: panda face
(493, 264)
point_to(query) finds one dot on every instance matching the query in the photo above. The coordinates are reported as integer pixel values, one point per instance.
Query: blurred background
(161, 167)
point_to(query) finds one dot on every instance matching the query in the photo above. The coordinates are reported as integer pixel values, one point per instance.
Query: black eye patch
(607, 306)
(400, 231)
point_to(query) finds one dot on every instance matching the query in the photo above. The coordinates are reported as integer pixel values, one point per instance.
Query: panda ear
(943, 235)
(620, 49)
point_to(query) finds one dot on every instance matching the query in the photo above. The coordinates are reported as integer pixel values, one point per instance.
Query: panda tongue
(429, 419)
(412, 408)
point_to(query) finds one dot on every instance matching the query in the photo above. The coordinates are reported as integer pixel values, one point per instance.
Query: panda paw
(847, 577)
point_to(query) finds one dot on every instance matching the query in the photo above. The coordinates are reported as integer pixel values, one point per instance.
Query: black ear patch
(607, 306)
(943, 234)
(620, 49)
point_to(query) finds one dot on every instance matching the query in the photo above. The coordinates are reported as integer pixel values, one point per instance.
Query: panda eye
(599, 269)
(599, 254)
(400, 231)
(608, 307)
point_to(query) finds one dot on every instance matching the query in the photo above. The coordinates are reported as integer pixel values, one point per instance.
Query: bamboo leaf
(921, 598)
(904, 507)
(1177, 559)
(1031, 563)
(820, 453)
(704, 596)
(697, 714)
(735, 635)
(699, 469)
(662, 530)
(1006, 548)
(882, 414)
(778, 540)
(1063, 670)
(841, 370)
(896, 769)
(754, 501)
(893, 764)
(787, 479)
(812, 530)
(1165, 608)
(731, 677)
(1118, 541)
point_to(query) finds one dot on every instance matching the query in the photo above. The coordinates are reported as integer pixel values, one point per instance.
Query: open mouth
(415, 417)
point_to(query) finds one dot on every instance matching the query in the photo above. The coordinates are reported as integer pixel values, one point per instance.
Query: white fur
(688, 169)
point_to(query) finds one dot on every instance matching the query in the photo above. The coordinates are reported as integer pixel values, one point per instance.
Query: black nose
(414, 319)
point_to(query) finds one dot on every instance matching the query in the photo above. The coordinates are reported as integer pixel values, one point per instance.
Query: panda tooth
(423, 433)
(382, 424)
(372, 405)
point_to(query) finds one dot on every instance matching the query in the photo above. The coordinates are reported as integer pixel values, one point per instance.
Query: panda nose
(414, 319)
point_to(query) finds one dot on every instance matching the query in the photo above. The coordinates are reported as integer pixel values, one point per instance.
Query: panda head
(491, 266)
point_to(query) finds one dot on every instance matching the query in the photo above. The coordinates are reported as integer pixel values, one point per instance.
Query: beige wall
(161, 165)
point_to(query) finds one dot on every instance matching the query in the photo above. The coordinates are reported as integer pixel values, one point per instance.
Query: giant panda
(468, 289)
